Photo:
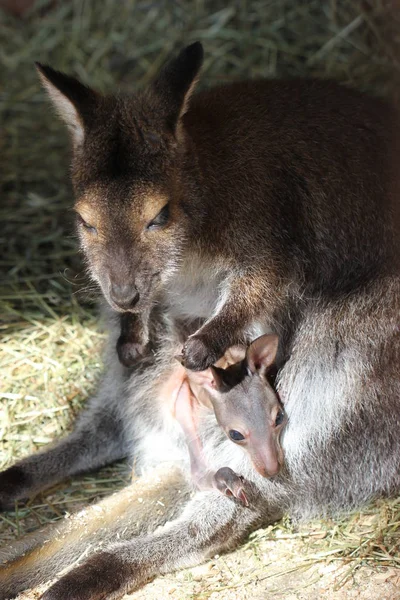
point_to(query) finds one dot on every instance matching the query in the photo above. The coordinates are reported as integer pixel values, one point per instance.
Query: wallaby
(245, 406)
(258, 206)
(234, 205)
(342, 396)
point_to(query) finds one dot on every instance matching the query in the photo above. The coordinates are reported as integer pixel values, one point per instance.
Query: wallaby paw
(95, 579)
(231, 484)
(129, 353)
(12, 482)
(197, 354)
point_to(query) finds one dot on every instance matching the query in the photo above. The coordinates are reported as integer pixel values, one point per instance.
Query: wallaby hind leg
(150, 501)
(210, 524)
(98, 439)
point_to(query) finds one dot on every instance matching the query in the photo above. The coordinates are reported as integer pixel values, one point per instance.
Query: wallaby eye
(279, 418)
(86, 225)
(160, 220)
(235, 436)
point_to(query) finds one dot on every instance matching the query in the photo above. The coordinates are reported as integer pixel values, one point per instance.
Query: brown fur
(283, 190)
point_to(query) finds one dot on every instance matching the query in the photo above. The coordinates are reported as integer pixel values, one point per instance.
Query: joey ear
(73, 101)
(212, 378)
(176, 82)
(261, 353)
(221, 381)
(201, 378)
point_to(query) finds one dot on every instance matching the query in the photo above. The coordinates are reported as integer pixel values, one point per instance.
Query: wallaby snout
(124, 295)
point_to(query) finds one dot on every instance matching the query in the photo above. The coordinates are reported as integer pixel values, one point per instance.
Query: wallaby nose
(124, 295)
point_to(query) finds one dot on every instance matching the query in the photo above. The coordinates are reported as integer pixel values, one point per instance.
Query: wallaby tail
(141, 507)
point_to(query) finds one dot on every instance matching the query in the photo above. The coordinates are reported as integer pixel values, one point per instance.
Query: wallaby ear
(261, 353)
(176, 82)
(73, 101)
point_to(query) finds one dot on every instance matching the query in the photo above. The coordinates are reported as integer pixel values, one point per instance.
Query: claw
(180, 358)
(242, 497)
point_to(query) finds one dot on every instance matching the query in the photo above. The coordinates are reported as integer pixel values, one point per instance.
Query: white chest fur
(195, 291)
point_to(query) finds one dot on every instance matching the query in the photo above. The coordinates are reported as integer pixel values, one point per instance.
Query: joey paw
(197, 354)
(129, 353)
(231, 484)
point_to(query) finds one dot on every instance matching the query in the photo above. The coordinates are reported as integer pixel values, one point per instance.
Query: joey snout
(266, 468)
(266, 454)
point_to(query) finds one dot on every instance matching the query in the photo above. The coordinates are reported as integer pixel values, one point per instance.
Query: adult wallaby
(233, 204)
(255, 205)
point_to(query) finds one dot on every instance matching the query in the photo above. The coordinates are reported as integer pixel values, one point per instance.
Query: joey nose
(125, 296)
(266, 464)
(268, 471)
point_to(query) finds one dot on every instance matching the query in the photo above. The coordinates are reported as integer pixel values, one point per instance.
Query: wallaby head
(127, 176)
(246, 407)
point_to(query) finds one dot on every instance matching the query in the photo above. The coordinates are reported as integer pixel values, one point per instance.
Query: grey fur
(341, 392)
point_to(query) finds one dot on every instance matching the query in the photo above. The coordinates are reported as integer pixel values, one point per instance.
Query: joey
(246, 407)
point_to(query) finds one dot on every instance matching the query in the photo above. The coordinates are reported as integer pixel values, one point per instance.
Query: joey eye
(235, 436)
(86, 225)
(279, 418)
(160, 220)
